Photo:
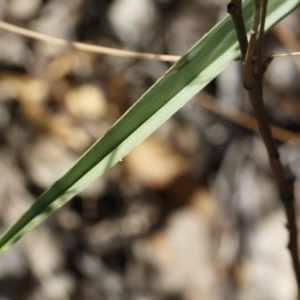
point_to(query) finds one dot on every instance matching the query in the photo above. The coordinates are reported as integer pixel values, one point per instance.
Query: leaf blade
(190, 74)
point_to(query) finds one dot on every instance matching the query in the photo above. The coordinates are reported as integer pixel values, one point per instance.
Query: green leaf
(189, 75)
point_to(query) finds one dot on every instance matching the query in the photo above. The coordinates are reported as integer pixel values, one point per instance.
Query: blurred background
(193, 212)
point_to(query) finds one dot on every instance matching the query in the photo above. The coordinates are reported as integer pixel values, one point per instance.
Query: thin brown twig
(235, 8)
(100, 49)
(242, 119)
(294, 53)
(261, 33)
(288, 39)
(253, 71)
(85, 47)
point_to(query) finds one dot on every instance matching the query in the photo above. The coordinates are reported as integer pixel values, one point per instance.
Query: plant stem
(253, 71)
(234, 8)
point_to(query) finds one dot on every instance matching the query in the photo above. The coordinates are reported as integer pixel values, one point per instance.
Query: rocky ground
(193, 212)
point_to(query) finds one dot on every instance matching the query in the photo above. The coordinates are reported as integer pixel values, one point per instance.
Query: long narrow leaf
(190, 74)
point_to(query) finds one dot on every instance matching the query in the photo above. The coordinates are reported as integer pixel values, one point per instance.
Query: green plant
(202, 63)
